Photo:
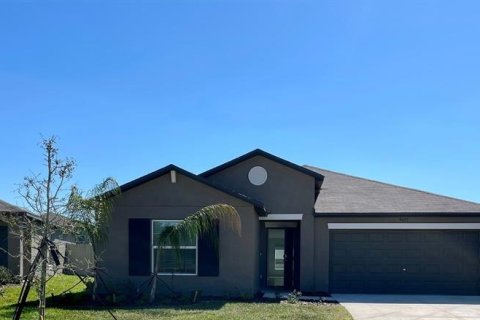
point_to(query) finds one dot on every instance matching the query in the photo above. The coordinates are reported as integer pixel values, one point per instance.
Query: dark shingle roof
(8, 208)
(342, 193)
(60, 220)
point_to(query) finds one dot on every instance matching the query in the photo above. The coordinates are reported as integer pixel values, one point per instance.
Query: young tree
(201, 223)
(90, 212)
(46, 195)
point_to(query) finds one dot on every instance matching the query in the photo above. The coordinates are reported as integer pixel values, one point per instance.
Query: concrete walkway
(410, 307)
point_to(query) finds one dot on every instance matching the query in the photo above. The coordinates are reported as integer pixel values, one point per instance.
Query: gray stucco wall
(160, 199)
(286, 191)
(322, 238)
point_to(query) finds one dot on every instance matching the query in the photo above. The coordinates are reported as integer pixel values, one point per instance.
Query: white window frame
(171, 247)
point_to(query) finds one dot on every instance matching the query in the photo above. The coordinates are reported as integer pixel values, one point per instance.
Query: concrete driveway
(409, 307)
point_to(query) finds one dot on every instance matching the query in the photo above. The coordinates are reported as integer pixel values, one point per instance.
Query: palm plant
(90, 213)
(201, 223)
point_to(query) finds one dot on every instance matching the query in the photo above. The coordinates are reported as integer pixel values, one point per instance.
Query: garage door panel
(404, 261)
(414, 237)
(375, 237)
(375, 252)
(356, 254)
(358, 237)
(394, 237)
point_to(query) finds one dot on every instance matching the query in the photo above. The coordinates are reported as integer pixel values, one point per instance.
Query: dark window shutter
(139, 247)
(208, 257)
(3, 246)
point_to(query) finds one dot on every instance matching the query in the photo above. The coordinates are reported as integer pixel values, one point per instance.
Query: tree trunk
(96, 260)
(42, 301)
(153, 289)
(42, 284)
(94, 288)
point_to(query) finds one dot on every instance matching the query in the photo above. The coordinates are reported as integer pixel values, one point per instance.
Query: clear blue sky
(379, 89)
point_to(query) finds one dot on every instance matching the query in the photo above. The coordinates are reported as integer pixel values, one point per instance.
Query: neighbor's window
(172, 262)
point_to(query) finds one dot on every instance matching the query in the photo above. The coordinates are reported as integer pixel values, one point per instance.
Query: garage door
(404, 261)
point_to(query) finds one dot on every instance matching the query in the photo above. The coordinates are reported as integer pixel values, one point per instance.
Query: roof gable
(342, 193)
(258, 152)
(259, 207)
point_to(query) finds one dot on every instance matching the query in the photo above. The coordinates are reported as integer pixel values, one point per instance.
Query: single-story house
(18, 238)
(302, 227)
(14, 240)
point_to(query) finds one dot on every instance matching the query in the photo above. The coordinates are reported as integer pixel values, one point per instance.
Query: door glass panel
(275, 257)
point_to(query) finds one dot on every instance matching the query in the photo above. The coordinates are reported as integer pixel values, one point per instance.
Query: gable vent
(173, 176)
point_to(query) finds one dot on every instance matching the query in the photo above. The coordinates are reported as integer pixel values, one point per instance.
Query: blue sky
(379, 89)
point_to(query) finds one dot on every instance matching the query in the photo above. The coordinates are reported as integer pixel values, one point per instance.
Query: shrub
(6, 276)
(293, 296)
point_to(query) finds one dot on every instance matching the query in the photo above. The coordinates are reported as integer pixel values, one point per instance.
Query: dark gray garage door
(400, 261)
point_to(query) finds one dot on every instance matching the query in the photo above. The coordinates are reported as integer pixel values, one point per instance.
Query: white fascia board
(404, 226)
(282, 217)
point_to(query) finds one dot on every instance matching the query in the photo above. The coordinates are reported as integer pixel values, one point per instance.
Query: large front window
(171, 261)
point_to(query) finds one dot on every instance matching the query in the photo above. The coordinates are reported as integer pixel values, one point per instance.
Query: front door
(280, 257)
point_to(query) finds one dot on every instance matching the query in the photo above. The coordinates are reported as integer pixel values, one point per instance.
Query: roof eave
(259, 152)
(25, 213)
(259, 206)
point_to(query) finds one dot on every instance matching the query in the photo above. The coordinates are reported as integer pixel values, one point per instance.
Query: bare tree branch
(46, 196)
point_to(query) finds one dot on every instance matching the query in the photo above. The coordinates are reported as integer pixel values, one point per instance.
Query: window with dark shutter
(142, 252)
(182, 260)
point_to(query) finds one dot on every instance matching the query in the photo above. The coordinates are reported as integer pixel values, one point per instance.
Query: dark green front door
(3, 246)
(281, 260)
(405, 261)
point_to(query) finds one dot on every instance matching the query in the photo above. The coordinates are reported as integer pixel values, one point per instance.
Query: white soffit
(282, 217)
(404, 226)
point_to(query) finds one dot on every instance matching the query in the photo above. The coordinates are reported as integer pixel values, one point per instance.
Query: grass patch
(213, 309)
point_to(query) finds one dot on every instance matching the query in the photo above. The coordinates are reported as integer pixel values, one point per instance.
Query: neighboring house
(73, 245)
(302, 227)
(15, 238)
(75, 250)
(16, 241)
(66, 230)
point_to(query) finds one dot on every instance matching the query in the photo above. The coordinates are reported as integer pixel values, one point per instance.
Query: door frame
(292, 235)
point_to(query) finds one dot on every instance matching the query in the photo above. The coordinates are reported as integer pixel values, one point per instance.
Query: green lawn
(201, 310)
